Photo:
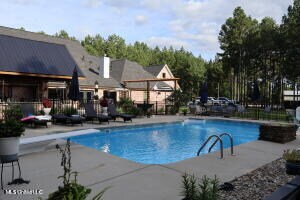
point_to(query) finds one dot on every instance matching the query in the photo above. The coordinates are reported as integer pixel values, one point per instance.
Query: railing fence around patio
(155, 107)
(65, 106)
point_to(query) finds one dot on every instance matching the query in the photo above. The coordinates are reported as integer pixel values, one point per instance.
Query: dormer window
(164, 75)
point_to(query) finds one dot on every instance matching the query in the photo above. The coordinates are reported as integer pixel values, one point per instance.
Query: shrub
(132, 110)
(53, 111)
(125, 102)
(291, 156)
(13, 112)
(12, 126)
(173, 110)
(71, 189)
(160, 110)
(183, 109)
(206, 189)
(69, 111)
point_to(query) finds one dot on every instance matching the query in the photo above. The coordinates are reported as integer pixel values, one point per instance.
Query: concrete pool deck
(133, 181)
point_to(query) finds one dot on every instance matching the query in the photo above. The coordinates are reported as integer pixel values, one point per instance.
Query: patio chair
(200, 110)
(29, 118)
(192, 109)
(216, 111)
(91, 114)
(64, 119)
(267, 109)
(112, 111)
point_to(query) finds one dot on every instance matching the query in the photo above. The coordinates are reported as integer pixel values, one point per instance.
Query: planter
(292, 168)
(9, 148)
(104, 111)
(47, 111)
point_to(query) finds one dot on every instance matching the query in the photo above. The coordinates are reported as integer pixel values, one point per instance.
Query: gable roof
(154, 70)
(123, 69)
(34, 57)
(91, 71)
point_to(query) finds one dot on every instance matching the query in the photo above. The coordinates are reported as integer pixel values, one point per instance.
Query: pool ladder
(218, 138)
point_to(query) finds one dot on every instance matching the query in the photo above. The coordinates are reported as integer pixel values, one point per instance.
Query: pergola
(152, 80)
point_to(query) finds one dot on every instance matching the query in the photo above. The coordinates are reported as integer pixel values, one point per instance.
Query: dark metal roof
(154, 70)
(36, 57)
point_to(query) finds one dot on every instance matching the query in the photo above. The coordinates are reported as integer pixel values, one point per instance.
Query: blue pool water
(166, 143)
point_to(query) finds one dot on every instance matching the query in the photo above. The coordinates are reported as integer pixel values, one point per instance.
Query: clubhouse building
(35, 66)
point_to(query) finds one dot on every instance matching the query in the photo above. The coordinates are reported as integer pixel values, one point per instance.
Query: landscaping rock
(259, 183)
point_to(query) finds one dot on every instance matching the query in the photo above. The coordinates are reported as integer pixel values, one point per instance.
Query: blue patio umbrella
(256, 93)
(203, 93)
(74, 87)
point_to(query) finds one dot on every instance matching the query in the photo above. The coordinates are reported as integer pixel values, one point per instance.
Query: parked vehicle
(223, 100)
(212, 101)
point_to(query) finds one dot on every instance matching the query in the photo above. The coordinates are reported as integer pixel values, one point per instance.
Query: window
(164, 75)
(86, 95)
(56, 93)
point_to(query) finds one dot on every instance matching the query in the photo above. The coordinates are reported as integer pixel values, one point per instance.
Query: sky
(193, 24)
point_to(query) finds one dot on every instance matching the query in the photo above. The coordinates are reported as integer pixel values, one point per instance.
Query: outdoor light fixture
(96, 84)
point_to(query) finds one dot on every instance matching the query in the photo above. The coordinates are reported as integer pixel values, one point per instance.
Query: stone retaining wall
(280, 133)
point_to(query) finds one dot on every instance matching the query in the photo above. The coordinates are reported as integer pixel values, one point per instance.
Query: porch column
(148, 92)
(3, 82)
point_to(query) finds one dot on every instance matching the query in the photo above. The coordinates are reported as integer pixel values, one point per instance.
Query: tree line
(263, 52)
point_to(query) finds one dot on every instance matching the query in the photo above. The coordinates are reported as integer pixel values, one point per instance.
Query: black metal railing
(155, 107)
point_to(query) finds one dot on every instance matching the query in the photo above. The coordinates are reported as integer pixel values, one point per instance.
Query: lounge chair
(112, 111)
(64, 119)
(91, 114)
(29, 118)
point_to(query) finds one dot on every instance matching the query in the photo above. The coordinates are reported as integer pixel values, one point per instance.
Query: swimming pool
(166, 143)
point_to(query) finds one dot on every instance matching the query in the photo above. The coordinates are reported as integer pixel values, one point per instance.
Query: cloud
(141, 20)
(112, 3)
(24, 2)
(92, 3)
(194, 24)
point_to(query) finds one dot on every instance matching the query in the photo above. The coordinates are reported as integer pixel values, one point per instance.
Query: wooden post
(148, 92)
(175, 85)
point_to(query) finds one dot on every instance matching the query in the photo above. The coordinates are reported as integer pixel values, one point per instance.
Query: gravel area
(259, 183)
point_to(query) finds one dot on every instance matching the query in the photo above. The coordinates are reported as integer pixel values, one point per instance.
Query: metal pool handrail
(231, 142)
(208, 139)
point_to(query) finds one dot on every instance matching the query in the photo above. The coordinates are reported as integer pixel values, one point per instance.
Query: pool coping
(143, 178)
